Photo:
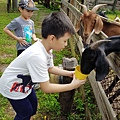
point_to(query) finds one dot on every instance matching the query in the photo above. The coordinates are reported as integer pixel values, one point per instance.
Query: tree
(14, 5)
(114, 5)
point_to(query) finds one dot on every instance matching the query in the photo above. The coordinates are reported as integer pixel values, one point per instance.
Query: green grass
(111, 15)
(7, 44)
(49, 105)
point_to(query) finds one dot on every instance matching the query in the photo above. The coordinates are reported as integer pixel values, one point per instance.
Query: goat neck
(111, 46)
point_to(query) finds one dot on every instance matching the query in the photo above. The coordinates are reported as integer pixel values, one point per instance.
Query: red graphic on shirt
(25, 86)
(18, 87)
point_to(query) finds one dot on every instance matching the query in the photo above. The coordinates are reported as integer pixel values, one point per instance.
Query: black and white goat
(95, 57)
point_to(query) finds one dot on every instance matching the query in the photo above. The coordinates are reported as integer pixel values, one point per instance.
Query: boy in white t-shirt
(34, 65)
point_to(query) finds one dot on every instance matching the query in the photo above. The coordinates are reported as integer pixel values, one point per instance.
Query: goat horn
(95, 8)
(84, 7)
(97, 43)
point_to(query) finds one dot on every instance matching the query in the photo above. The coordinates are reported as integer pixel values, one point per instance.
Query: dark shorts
(19, 52)
(25, 108)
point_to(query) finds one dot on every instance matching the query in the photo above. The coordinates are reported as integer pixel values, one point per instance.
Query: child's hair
(57, 24)
(22, 8)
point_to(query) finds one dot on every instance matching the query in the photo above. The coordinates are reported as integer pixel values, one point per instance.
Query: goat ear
(98, 25)
(102, 67)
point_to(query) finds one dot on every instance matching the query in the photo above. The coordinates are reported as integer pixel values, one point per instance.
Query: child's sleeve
(12, 25)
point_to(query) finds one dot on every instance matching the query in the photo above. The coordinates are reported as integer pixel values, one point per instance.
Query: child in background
(23, 26)
(34, 65)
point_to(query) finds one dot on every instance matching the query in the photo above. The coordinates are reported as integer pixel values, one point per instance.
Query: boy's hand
(76, 83)
(35, 39)
(22, 41)
(71, 73)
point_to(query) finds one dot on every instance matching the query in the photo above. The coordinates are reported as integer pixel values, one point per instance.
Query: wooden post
(66, 98)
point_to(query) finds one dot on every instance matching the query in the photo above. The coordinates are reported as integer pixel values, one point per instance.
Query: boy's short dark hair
(57, 24)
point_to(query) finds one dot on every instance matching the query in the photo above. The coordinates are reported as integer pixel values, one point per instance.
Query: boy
(23, 26)
(35, 63)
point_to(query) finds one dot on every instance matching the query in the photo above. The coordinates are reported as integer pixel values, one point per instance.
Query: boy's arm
(35, 38)
(52, 88)
(11, 34)
(6, 30)
(59, 71)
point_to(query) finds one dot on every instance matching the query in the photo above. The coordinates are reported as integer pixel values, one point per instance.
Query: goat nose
(86, 34)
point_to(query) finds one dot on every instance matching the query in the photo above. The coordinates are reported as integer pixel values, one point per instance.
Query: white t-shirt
(34, 61)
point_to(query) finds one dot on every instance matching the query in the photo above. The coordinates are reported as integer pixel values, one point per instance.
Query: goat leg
(117, 93)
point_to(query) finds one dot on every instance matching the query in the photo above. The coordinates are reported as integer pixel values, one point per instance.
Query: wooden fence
(108, 112)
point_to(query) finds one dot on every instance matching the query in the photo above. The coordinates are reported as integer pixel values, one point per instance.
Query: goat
(90, 21)
(94, 56)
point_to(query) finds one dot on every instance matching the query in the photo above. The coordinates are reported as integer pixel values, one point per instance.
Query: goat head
(89, 20)
(95, 56)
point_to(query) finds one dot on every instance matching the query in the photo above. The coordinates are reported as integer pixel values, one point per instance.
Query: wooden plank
(78, 40)
(114, 63)
(74, 11)
(106, 2)
(102, 101)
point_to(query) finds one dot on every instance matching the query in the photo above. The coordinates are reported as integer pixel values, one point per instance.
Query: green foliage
(112, 14)
(79, 105)
(58, 56)
(55, 5)
(49, 104)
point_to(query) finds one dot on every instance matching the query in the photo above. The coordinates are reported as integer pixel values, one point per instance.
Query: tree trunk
(14, 5)
(114, 5)
(8, 5)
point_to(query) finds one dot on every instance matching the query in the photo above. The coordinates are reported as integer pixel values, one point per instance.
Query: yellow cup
(78, 73)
